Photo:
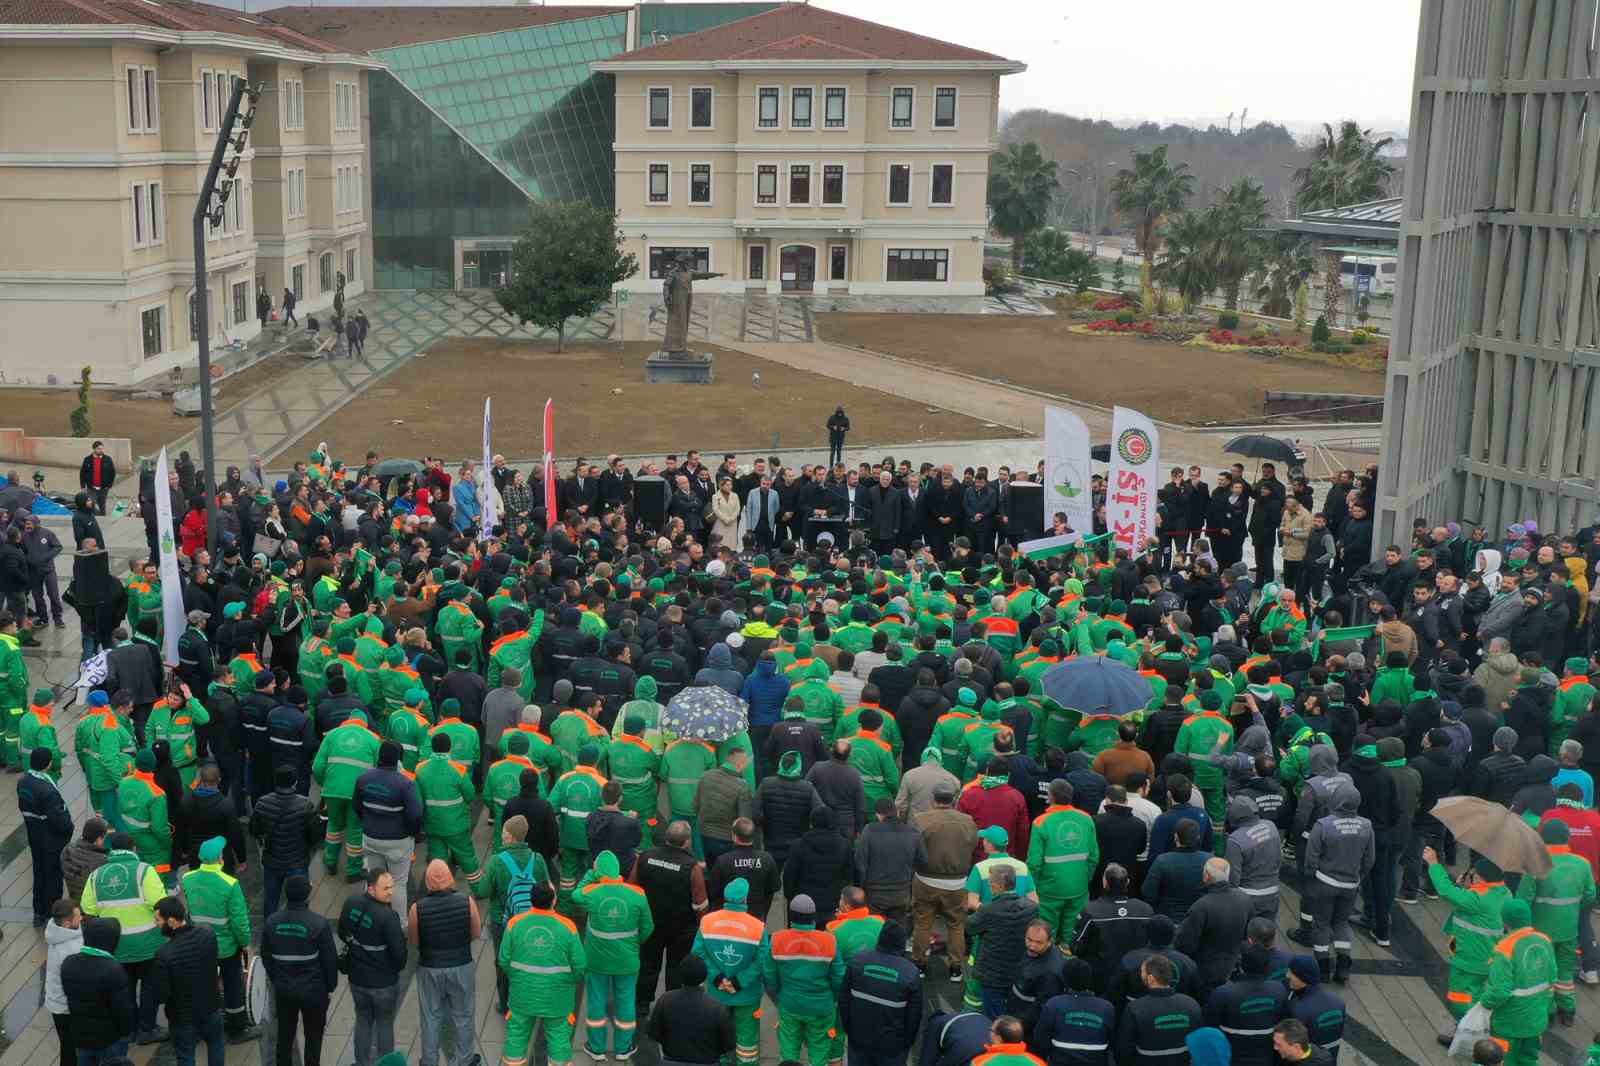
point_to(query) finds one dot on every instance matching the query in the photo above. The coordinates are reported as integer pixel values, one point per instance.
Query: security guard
(544, 956)
(349, 750)
(1153, 1026)
(1247, 1007)
(217, 901)
(735, 947)
(1559, 901)
(446, 790)
(1076, 1027)
(803, 976)
(619, 922)
(1062, 853)
(127, 888)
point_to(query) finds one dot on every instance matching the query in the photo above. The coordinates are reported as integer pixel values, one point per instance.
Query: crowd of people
(367, 675)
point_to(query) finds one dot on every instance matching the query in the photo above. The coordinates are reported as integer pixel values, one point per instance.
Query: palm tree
(1290, 263)
(1346, 167)
(1236, 221)
(1188, 259)
(1152, 190)
(1022, 185)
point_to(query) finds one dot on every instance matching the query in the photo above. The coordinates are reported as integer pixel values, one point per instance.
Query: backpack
(518, 895)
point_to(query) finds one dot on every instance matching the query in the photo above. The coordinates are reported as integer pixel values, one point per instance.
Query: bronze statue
(677, 293)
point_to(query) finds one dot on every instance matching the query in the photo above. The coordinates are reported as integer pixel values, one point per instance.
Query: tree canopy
(564, 265)
(1022, 186)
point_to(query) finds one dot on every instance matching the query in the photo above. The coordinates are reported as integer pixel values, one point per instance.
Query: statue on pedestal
(677, 293)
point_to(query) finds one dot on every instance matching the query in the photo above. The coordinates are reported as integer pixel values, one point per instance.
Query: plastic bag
(1473, 1027)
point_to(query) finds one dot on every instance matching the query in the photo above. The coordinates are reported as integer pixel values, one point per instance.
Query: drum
(257, 992)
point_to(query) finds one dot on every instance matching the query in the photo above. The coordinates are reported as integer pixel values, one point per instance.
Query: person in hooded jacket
(1254, 854)
(917, 713)
(1528, 711)
(1536, 791)
(765, 690)
(1380, 805)
(819, 865)
(720, 671)
(1438, 776)
(783, 806)
(100, 1008)
(1340, 853)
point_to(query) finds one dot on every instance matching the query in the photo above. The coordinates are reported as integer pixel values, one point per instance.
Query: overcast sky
(1167, 60)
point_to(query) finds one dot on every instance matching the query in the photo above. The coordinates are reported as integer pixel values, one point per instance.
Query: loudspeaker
(1024, 511)
(650, 502)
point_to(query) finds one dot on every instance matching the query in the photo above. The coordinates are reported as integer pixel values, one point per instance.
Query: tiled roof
(368, 29)
(805, 31)
(1381, 211)
(184, 16)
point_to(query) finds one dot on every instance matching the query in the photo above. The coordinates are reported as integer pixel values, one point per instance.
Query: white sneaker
(1590, 977)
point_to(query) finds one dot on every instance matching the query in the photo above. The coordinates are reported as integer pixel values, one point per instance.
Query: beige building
(802, 150)
(107, 124)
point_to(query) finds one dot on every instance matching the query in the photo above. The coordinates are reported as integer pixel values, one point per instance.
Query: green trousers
(1520, 1050)
(814, 1031)
(570, 864)
(188, 775)
(1464, 990)
(1566, 970)
(344, 833)
(746, 1034)
(609, 999)
(13, 734)
(1061, 913)
(1216, 798)
(456, 846)
(519, 1034)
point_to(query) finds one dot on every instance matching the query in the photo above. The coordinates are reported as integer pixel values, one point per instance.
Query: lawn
(432, 406)
(1166, 380)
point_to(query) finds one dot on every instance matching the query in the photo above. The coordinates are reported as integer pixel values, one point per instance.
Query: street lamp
(209, 208)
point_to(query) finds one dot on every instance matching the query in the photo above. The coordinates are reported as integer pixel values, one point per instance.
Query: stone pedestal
(678, 368)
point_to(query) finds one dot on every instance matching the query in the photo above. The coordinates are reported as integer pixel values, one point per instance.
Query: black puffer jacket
(1536, 794)
(1438, 781)
(783, 806)
(916, 716)
(1379, 804)
(99, 998)
(1498, 777)
(186, 974)
(1000, 929)
(287, 826)
(1530, 717)
(380, 948)
(819, 865)
(79, 859)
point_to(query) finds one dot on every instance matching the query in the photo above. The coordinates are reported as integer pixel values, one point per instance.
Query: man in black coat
(688, 1025)
(1110, 926)
(288, 829)
(186, 978)
(298, 951)
(745, 860)
(544, 834)
(886, 513)
(1000, 929)
(206, 812)
(880, 1002)
(1265, 518)
(943, 518)
(1213, 930)
(49, 826)
(99, 997)
(1123, 836)
(96, 475)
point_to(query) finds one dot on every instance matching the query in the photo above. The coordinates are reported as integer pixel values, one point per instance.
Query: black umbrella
(397, 467)
(1102, 452)
(1261, 446)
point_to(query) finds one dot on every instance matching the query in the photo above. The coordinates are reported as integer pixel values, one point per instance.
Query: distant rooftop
(182, 16)
(1372, 220)
(368, 29)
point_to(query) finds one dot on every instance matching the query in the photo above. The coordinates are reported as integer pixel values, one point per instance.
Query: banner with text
(173, 618)
(550, 515)
(1135, 476)
(1066, 470)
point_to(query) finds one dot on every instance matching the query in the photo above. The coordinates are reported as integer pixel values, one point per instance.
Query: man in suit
(761, 508)
(856, 507)
(582, 491)
(944, 513)
(616, 485)
(912, 521)
(886, 508)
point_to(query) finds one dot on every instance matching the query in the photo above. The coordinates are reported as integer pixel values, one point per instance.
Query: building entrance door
(798, 266)
(485, 268)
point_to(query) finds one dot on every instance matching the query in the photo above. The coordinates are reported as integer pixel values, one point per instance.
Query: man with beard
(1265, 519)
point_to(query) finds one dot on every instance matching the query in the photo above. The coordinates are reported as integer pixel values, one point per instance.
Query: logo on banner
(1134, 447)
(1073, 480)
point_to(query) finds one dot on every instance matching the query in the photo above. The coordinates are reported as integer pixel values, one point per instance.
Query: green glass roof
(675, 20)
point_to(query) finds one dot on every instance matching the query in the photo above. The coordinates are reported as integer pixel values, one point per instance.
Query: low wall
(17, 447)
(1324, 406)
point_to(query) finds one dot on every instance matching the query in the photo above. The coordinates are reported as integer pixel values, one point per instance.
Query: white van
(1379, 272)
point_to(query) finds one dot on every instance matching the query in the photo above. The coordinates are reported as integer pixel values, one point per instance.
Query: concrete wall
(17, 447)
(1326, 406)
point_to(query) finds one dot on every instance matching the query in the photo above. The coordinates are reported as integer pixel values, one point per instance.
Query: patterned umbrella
(1094, 684)
(706, 712)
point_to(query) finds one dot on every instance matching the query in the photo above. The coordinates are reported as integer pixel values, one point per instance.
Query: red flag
(550, 515)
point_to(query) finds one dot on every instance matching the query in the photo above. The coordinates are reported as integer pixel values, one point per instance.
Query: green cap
(517, 744)
(450, 708)
(43, 696)
(995, 835)
(737, 891)
(211, 850)
(145, 760)
(395, 656)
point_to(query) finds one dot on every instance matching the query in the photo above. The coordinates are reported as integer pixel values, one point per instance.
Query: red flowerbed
(1111, 303)
(1111, 325)
(1226, 336)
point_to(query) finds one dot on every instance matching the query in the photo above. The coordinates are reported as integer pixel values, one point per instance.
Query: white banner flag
(173, 619)
(1135, 476)
(1066, 470)
(486, 516)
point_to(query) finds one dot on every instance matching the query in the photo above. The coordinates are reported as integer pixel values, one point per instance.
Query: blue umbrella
(706, 712)
(1095, 684)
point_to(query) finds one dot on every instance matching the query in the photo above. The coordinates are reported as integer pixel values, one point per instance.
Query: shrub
(1260, 332)
(1228, 320)
(1125, 317)
(1360, 336)
(1110, 303)
(1319, 346)
(80, 414)
(1320, 331)
(1116, 325)
(1336, 348)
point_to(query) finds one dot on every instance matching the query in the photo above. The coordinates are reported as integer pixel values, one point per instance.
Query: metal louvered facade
(1492, 411)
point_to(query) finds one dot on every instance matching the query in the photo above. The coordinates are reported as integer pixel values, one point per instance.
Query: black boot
(1341, 969)
(1325, 964)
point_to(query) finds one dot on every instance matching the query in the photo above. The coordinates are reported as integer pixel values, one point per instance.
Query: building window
(833, 108)
(901, 108)
(347, 190)
(900, 184)
(325, 271)
(347, 108)
(941, 185)
(350, 266)
(660, 183)
(660, 109)
(918, 264)
(800, 109)
(661, 259)
(838, 258)
(699, 183)
(144, 101)
(149, 225)
(833, 184)
(767, 183)
(208, 103)
(153, 330)
(944, 108)
(295, 192)
(241, 301)
(700, 109)
(758, 262)
(800, 183)
(767, 108)
(294, 104)
(297, 281)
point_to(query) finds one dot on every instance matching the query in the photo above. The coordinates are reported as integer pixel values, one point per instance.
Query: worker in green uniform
(1063, 851)
(13, 685)
(633, 765)
(144, 806)
(682, 765)
(823, 706)
(392, 680)
(458, 628)
(349, 750)
(173, 718)
(216, 900)
(111, 750)
(503, 780)
(1559, 900)
(445, 787)
(856, 928)
(644, 707)
(1474, 927)
(575, 727)
(735, 946)
(803, 974)
(544, 958)
(127, 888)
(464, 747)
(1518, 991)
(873, 758)
(514, 648)
(950, 731)
(850, 720)
(978, 738)
(1204, 734)
(576, 795)
(37, 731)
(619, 923)
(1573, 697)
(507, 883)
(408, 727)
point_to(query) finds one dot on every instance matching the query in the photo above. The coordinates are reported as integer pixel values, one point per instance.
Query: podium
(815, 527)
